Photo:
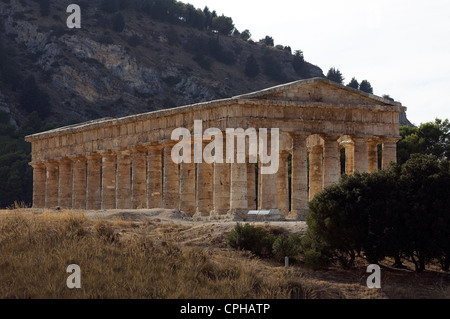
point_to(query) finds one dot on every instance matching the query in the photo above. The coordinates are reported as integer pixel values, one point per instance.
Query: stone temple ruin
(125, 163)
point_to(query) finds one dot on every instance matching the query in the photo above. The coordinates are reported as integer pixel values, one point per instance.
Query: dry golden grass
(36, 250)
(127, 256)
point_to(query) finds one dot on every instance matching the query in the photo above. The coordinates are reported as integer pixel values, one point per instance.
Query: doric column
(361, 155)
(372, 155)
(238, 182)
(79, 183)
(51, 184)
(268, 198)
(282, 184)
(39, 185)
(109, 181)
(389, 153)
(187, 186)
(251, 186)
(221, 187)
(123, 180)
(139, 178)
(154, 177)
(204, 187)
(330, 161)
(299, 178)
(171, 181)
(93, 200)
(349, 158)
(65, 183)
(315, 170)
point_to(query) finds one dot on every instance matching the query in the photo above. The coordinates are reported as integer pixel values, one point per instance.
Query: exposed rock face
(404, 120)
(94, 72)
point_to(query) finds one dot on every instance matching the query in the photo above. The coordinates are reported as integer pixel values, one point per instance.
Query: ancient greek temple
(126, 163)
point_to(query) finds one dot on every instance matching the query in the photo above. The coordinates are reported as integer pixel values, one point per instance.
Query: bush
(396, 212)
(249, 237)
(286, 246)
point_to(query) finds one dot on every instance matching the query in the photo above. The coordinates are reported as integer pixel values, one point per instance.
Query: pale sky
(401, 47)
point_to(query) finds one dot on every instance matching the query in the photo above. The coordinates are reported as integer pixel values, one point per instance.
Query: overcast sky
(401, 47)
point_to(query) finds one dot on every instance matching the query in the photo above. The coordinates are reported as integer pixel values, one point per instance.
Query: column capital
(77, 158)
(37, 164)
(154, 146)
(138, 149)
(51, 163)
(122, 152)
(295, 135)
(393, 139)
(65, 160)
(330, 137)
(93, 156)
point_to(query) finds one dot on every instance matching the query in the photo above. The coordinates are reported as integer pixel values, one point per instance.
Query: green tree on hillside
(335, 75)
(353, 84)
(268, 40)
(299, 65)
(246, 35)
(365, 86)
(224, 25)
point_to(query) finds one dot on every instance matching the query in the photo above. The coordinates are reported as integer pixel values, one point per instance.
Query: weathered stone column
(39, 185)
(171, 182)
(361, 155)
(93, 200)
(330, 161)
(187, 186)
(139, 178)
(221, 187)
(251, 186)
(299, 178)
(123, 180)
(315, 170)
(154, 177)
(109, 181)
(238, 183)
(389, 153)
(349, 158)
(204, 187)
(79, 183)
(268, 198)
(282, 184)
(65, 183)
(372, 155)
(51, 184)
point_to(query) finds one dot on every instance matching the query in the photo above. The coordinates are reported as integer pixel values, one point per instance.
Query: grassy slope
(153, 258)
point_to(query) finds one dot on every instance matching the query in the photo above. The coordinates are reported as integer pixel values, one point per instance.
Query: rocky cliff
(98, 71)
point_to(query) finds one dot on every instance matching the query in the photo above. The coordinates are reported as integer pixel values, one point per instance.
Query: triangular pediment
(318, 90)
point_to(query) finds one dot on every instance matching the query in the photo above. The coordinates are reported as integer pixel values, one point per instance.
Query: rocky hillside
(102, 70)
(125, 61)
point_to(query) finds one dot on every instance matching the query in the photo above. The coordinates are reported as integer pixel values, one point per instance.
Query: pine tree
(366, 87)
(335, 75)
(353, 84)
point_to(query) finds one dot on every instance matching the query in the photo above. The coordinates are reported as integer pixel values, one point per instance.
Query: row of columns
(148, 178)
